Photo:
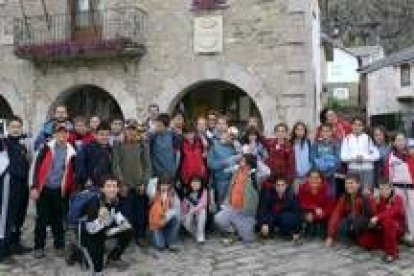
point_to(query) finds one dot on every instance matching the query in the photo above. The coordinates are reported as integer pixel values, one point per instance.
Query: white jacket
(361, 145)
(398, 170)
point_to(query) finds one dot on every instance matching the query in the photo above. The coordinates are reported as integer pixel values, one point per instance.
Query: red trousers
(386, 238)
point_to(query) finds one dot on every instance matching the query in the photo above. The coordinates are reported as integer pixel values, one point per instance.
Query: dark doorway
(222, 96)
(89, 100)
(5, 109)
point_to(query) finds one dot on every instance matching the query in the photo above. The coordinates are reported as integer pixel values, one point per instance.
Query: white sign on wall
(341, 94)
(208, 34)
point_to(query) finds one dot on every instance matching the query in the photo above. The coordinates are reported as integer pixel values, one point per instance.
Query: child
(239, 209)
(131, 163)
(399, 169)
(191, 158)
(94, 122)
(279, 209)
(13, 189)
(360, 153)
(117, 131)
(301, 147)
(352, 213)
(316, 203)
(281, 159)
(94, 159)
(194, 209)
(325, 156)
(164, 216)
(221, 156)
(380, 138)
(52, 176)
(80, 136)
(340, 127)
(387, 225)
(253, 145)
(105, 220)
(164, 144)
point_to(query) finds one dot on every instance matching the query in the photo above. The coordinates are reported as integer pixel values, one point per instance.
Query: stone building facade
(269, 50)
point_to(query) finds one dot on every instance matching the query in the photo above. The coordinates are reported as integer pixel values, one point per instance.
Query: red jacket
(391, 209)
(342, 210)
(192, 161)
(281, 160)
(86, 139)
(340, 130)
(42, 165)
(309, 201)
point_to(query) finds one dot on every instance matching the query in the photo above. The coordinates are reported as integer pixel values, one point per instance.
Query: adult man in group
(14, 189)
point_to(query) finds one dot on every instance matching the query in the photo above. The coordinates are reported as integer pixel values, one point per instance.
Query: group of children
(162, 175)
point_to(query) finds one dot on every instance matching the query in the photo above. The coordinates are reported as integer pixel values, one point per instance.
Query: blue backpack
(78, 203)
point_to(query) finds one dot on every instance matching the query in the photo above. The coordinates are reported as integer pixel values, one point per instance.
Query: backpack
(78, 203)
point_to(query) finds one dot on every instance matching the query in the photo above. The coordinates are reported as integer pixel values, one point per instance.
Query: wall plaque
(208, 34)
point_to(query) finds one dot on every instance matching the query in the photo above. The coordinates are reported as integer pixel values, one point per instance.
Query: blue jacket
(325, 156)
(163, 149)
(221, 157)
(92, 162)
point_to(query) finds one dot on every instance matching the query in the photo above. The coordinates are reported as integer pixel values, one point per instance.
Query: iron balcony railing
(94, 34)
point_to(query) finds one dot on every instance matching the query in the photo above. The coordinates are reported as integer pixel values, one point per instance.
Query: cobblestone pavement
(274, 257)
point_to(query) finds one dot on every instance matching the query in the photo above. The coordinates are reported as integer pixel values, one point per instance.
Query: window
(86, 13)
(405, 75)
(208, 4)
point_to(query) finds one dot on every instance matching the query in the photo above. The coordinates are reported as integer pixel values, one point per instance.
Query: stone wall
(267, 51)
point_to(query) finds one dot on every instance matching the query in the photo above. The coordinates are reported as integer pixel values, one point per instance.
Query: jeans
(195, 224)
(229, 220)
(167, 235)
(221, 188)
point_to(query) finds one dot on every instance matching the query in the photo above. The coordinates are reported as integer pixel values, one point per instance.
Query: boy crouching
(105, 220)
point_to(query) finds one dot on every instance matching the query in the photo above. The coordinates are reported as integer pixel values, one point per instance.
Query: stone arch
(232, 73)
(116, 87)
(101, 102)
(10, 93)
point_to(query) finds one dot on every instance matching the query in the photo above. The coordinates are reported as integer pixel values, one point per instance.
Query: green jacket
(131, 163)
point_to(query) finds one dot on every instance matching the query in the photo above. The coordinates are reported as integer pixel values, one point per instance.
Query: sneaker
(39, 253)
(7, 260)
(142, 242)
(119, 264)
(297, 241)
(71, 255)
(408, 240)
(173, 249)
(229, 241)
(19, 249)
(389, 258)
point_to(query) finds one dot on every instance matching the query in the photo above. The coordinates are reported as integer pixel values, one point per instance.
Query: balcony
(405, 94)
(92, 35)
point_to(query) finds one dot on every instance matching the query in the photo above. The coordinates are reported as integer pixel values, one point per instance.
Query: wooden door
(86, 20)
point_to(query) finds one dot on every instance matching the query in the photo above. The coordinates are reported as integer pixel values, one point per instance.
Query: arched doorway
(5, 109)
(218, 95)
(5, 113)
(89, 100)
